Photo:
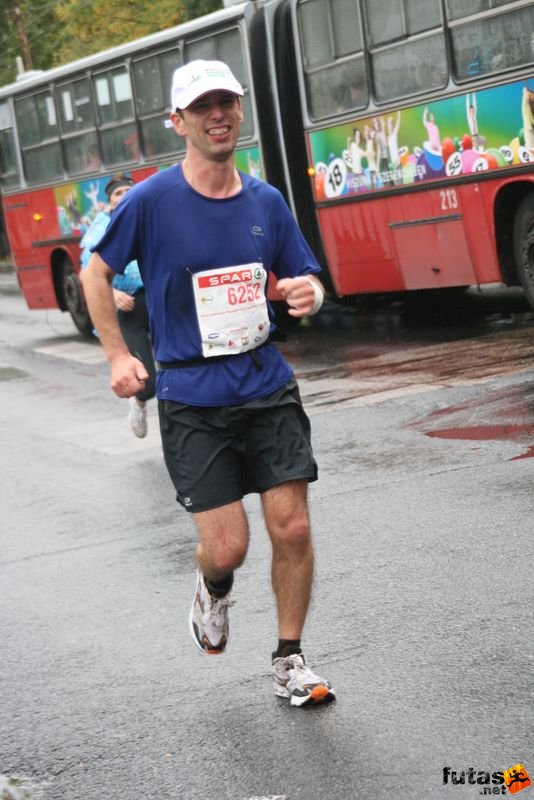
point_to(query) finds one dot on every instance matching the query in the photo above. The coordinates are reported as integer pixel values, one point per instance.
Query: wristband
(318, 299)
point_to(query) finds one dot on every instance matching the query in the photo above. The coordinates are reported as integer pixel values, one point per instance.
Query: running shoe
(208, 620)
(294, 680)
(137, 417)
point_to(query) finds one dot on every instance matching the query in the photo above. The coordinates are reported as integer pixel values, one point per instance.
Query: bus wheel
(524, 245)
(74, 300)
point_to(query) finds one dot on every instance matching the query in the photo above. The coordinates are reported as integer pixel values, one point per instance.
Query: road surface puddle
(500, 415)
(485, 433)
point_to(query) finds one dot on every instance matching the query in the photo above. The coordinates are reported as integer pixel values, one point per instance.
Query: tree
(33, 28)
(94, 25)
(197, 8)
(52, 33)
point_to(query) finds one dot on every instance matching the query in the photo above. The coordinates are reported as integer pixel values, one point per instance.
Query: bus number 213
(449, 199)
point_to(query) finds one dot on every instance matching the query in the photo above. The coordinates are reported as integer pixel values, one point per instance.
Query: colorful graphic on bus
(77, 204)
(478, 131)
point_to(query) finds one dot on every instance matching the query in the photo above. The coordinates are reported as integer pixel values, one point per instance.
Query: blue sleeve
(130, 281)
(92, 236)
(120, 243)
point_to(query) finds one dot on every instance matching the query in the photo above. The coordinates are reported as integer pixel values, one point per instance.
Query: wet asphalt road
(423, 424)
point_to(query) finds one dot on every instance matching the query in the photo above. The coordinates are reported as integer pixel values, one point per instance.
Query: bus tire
(74, 300)
(524, 245)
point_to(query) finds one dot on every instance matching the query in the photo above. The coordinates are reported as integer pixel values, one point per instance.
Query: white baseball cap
(200, 77)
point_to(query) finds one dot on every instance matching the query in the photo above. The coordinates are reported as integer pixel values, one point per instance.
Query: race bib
(231, 309)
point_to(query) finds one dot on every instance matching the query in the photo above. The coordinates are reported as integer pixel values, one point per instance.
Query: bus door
(429, 239)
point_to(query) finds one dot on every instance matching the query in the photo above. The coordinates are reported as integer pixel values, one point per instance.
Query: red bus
(401, 133)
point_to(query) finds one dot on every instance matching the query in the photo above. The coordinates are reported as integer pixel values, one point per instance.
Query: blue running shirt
(173, 232)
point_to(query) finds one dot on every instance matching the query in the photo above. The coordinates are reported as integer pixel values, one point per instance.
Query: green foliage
(94, 25)
(197, 8)
(42, 31)
(59, 32)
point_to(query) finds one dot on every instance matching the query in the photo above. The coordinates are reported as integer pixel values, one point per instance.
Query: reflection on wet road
(367, 354)
(507, 415)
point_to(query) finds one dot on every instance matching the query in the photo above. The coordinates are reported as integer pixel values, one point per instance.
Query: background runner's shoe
(208, 620)
(293, 679)
(137, 418)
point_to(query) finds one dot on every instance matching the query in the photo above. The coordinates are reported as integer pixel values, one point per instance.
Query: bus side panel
(358, 248)
(37, 285)
(403, 242)
(32, 225)
(479, 226)
(423, 240)
(429, 239)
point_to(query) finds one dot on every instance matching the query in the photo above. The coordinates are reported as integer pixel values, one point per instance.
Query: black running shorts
(217, 455)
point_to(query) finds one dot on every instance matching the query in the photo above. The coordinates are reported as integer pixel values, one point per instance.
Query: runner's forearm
(102, 308)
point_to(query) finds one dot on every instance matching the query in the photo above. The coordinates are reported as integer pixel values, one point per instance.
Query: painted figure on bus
(73, 212)
(379, 128)
(527, 113)
(478, 141)
(92, 193)
(392, 131)
(356, 154)
(434, 139)
(370, 154)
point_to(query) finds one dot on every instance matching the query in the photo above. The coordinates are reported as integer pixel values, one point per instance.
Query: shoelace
(296, 663)
(215, 611)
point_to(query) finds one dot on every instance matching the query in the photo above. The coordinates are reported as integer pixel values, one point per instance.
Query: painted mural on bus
(78, 202)
(474, 132)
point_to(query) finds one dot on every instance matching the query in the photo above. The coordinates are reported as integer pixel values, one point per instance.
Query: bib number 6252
(244, 293)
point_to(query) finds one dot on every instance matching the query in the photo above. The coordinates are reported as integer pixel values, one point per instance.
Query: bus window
(493, 42)
(113, 96)
(43, 164)
(36, 118)
(75, 107)
(39, 137)
(409, 69)
(114, 104)
(404, 18)
(457, 9)
(152, 78)
(408, 53)
(332, 47)
(82, 153)
(336, 89)
(225, 46)
(9, 174)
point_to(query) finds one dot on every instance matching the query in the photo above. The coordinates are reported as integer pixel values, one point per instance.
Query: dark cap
(116, 181)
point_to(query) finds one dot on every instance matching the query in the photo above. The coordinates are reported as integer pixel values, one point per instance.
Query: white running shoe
(294, 680)
(208, 620)
(137, 417)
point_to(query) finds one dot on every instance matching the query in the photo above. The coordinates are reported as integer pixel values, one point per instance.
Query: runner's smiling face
(211, 124)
